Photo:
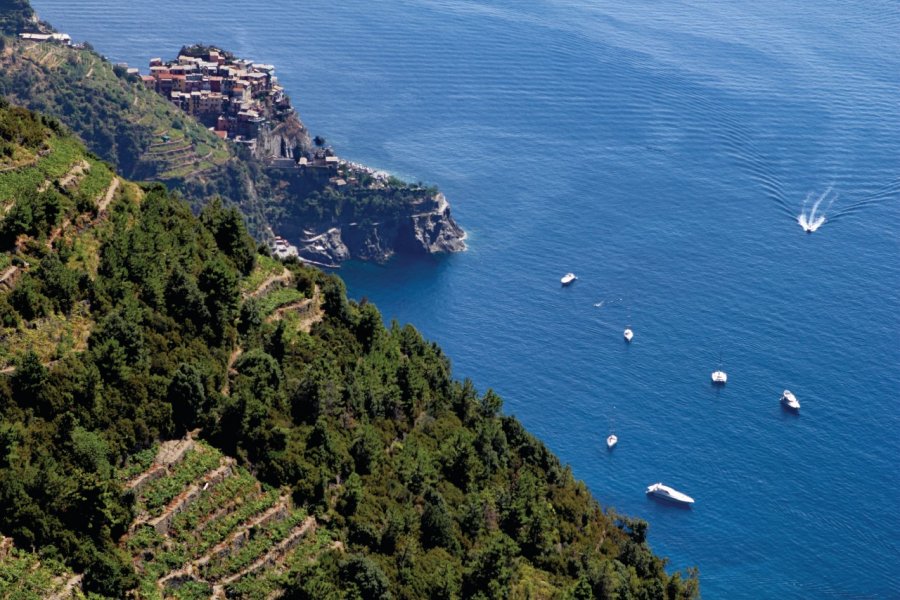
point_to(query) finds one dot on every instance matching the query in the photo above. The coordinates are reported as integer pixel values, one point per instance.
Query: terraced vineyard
(207, 528)
(69, 192)
(23, 576)
(159, 141)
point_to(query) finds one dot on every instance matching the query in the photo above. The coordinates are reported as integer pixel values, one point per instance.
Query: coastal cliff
(251, 157)
(431, 229)
(288, 139)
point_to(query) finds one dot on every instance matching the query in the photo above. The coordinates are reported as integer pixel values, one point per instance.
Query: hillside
(328, 456)
(121, 117)
(138, 132)
(147, 138)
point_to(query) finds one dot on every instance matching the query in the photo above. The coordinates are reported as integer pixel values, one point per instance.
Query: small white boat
(568, 278)
(664, 492)
(720, 377)
(789, 400)
(628, 334)
(611, 441)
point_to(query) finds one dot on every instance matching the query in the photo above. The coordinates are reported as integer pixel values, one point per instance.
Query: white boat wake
(607, 302)
(812, 220)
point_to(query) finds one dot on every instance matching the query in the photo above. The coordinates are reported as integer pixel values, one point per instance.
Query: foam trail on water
(811, 221)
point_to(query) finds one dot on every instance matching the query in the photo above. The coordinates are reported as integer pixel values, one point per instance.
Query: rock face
(428, 229)
(288, 139)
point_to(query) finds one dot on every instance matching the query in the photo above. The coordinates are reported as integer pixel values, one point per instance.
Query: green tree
(230, 232)
(437, 524)
(365, 579)
(219, 285)
(187, 395)
(29, 381)
(58, 282)
(490, 569)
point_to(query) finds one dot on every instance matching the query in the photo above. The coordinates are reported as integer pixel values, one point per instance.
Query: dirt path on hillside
(110, 193)
(309, 309)
(266, 285)
(74, 173)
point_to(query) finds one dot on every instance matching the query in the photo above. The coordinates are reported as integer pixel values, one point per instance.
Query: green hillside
(130, 126)
(145, 137)
(15, 16)
(25, 576)
(329, 456)
(140, 133)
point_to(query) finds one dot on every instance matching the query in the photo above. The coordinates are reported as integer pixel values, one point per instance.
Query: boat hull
(668, 494)
(790, 402)
(670, 499)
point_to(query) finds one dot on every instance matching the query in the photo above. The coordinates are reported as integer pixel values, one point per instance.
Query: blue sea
(662, 150)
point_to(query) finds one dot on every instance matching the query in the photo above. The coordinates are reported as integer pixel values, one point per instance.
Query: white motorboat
(611, 441)
(628, 334)
(568, 278)
(720, 377)
(789, 400)
(665, 492)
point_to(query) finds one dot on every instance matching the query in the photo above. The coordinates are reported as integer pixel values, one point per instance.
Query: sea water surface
(663, 151)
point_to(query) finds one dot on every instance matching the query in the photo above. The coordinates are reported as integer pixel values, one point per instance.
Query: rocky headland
(332, 209)
(429, 229)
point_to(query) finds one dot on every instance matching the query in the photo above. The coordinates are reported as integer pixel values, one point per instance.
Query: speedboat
(628, 334)
(789, 400)
(720, 377)
(568, 278)
(664, 492)
(611, 441)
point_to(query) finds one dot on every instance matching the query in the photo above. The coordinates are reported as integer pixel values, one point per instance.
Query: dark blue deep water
(662, 150)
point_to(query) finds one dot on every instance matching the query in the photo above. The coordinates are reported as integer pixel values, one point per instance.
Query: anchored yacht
(628, 334)
(720, 377)
(790, 401)
(611, 441)
(664, 492)
(568, 278)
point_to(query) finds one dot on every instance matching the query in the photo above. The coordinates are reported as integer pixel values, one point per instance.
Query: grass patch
(94, 184)
(278, 298)
(50, 338)
(191, 590)
(137, 463)
(23, 576)
(266, 267)
(63, 154)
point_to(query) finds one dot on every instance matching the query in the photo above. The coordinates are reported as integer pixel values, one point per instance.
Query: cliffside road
(12, 369)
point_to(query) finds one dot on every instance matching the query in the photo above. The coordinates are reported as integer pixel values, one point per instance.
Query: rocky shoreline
(243, 102)
(430, 230)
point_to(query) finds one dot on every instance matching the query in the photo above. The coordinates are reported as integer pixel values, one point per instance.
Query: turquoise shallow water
(662, 151)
